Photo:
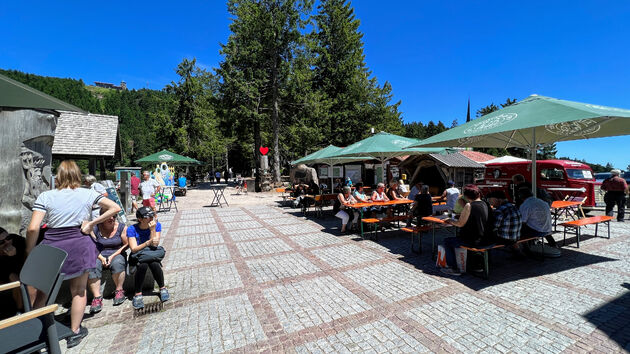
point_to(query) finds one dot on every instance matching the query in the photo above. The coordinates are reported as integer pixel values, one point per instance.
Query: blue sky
(435, 54)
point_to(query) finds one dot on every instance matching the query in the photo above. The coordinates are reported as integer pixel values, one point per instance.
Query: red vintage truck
(560, 178)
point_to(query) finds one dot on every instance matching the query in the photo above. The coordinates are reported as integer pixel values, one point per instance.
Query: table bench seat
(579, 223)
(486, 249)
(418, 230)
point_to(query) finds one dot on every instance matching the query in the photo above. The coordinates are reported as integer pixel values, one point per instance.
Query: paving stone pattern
(471, 324)
(252, 234)
(298, 306)
(278, 267)
(261, 279)
(212, 326)
(204, 280)
(261, 247)
(342, 256)
(393, 281)
(198, 240)
(186, 257)
(315, 240)
(379, 337)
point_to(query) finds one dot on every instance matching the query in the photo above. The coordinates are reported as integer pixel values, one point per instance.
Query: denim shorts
(117, 265)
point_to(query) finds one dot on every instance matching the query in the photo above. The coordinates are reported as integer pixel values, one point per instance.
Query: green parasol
(328, 156)
(169, 157)
(534, 122)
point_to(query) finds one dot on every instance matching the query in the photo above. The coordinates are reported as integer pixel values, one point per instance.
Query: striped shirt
(507, 223)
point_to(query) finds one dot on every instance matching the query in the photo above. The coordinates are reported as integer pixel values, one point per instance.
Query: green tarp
(170, 158)
(17, 95)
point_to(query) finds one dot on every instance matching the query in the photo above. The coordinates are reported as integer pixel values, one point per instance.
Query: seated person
(460, 203)
(422, 206)
(359, 194)
(379, 195)
(507, 220)
(402, 189)
(111, 242)
(473, 223)
(146, 234)
(341, 208)
(535, 216)
(12, 257)
(299, 190)
(518, 182)
(449, 195)
(392, 192)
(347, 182)
(415, 190)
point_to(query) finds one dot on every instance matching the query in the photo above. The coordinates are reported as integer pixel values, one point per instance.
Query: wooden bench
(485, 250)
(577, 225)
(322, 201)
(415, 231)
(378, 222)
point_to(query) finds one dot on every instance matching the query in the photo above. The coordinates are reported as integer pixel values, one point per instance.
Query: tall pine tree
(355, 100)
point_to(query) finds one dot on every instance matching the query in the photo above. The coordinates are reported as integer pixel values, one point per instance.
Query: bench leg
(433, 241)
(564, 240)
(577, 233)
(596, 229)
(486, 267)
(413, 236)
(608, 229)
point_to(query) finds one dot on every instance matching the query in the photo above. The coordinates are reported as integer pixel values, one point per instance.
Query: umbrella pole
(533, 155)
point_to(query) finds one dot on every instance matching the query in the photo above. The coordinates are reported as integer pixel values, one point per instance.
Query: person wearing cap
(146, 234)
(507, 220)
(449, 195)
(616, 189)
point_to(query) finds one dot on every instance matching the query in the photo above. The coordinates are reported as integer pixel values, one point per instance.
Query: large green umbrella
(534, 122)
(17, 95)
(384, 146)
(328, 156)
(169, 157)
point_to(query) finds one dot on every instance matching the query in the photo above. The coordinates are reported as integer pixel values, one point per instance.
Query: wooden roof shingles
(80, 134)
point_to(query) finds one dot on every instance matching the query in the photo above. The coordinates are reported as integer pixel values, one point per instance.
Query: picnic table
(564, 207)
(360, 206)
(439, 221)
(218, 190)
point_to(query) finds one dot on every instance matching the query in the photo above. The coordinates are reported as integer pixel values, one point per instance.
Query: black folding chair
(36, 329)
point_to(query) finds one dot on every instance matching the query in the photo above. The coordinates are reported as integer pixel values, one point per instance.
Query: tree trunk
(274, 117)
(257, 142)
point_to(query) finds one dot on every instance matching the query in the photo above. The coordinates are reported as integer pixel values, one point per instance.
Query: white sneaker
(450, 271)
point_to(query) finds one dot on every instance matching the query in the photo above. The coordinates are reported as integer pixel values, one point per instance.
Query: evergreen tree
(355, 100)
(256, 68)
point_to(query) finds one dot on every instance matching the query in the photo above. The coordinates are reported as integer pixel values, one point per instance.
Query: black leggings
(141, 272)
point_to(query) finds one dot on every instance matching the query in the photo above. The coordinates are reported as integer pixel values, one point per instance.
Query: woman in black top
(473, 222)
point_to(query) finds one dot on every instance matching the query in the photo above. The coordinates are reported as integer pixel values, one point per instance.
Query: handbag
(441, 257)
(147, 255)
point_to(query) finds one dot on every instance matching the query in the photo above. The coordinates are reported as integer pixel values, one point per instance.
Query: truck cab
(560, 178)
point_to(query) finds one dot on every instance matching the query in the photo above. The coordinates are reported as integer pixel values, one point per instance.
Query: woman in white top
(344, 199)
(68, 210)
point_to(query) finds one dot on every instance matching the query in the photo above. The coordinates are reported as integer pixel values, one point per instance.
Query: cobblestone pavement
(264, 279)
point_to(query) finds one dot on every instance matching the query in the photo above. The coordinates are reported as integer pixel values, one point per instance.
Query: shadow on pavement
(613, 318)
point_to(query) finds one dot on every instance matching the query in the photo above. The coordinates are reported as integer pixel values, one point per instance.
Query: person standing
(135, 192)
(616, 189)
(148, 188)
(68, 209)
(91, 183)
